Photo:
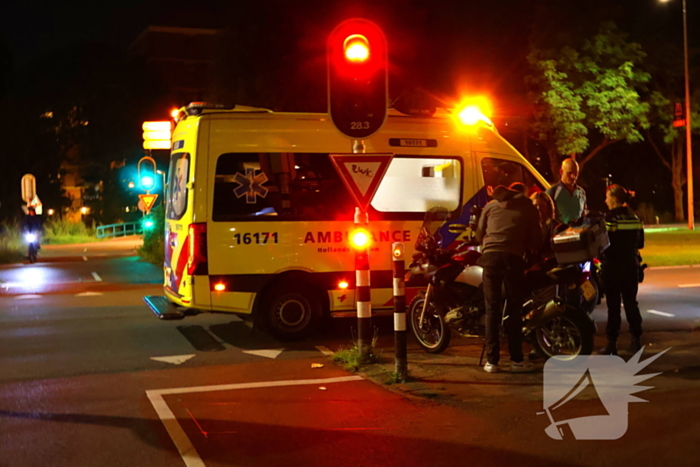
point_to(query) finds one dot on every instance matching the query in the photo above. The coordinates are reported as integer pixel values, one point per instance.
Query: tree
(587, 93)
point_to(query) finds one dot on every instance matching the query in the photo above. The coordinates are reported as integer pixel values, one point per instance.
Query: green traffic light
(147, 182)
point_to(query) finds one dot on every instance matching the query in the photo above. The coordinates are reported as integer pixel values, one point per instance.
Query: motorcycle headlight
(30, 238)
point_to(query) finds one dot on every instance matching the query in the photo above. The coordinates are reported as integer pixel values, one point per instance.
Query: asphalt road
(89, 376)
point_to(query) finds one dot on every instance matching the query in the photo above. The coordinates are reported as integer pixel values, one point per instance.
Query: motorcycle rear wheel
(433, 335)
(565, 336)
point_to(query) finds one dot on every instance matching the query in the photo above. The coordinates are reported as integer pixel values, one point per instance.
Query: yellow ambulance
(258, 220)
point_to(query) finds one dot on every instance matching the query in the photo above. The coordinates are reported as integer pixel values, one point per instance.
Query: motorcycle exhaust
(555, 307)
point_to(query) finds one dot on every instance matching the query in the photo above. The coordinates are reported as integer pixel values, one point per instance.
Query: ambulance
(258, 221)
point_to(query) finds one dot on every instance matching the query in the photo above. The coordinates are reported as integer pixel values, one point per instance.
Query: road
(91, 377)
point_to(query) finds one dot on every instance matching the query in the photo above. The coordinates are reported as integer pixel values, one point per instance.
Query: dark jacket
(509, 224)
(31, 224)
(626, 234)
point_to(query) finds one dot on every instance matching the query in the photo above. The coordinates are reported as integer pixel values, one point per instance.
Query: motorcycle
(554, 321)
(32, 246)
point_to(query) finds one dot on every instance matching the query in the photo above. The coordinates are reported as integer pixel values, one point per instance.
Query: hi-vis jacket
(626, 234)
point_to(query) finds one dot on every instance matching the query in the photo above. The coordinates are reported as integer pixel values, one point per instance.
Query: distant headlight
(30, 237)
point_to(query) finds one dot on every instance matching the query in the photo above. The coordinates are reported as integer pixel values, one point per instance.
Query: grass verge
(672, 248)
(350, 358)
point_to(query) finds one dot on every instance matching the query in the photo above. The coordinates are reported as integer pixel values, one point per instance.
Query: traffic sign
(148, 200)
(361, 174)
(28, 188)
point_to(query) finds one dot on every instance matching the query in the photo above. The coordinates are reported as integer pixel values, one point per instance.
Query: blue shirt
(570, 206)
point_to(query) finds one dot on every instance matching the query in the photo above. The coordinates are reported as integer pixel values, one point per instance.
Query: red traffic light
(356, 48)
(357, 78)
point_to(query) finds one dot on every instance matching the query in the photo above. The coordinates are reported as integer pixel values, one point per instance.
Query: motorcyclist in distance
(32, 224)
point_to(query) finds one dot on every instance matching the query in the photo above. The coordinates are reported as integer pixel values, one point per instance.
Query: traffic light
(147, 173)
(357, 78)
(147, 223)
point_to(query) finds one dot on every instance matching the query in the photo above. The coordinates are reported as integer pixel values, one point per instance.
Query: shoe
(521, 367)
(636, 345)
(491, 368)
(454, 316)
(609, 349)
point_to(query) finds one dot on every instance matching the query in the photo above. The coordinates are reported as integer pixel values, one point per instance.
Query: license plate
(588, 290)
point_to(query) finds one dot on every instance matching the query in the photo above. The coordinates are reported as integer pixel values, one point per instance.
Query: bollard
(362, 286)
(399, 266)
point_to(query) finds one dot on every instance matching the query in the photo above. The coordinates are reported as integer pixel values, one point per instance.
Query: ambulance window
(417, 184)
(278, 186)
(177, 185)
(502, 172)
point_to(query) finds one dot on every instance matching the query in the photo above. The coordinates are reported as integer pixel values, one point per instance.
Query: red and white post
(398, 268)
(362, 285)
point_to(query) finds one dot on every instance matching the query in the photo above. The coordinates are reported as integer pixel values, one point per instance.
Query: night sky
(445, 47)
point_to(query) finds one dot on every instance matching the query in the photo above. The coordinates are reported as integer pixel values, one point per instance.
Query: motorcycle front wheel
(565, 336)
(432, 333)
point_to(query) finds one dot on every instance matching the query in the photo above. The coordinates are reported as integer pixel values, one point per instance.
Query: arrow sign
(361, 174)
(148, 200)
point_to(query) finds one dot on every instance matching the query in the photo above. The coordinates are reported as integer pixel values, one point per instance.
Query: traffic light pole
(362, 280)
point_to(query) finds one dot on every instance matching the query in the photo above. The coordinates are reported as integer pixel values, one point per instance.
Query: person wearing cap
(620, 268)
(569, 198)
(508, 227)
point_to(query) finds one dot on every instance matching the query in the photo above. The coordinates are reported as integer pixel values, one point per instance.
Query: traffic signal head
(357, 78)
(147, 223)
(147, 173)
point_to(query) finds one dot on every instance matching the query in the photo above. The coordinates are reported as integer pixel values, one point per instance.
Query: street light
(688, 129)
(162, 174)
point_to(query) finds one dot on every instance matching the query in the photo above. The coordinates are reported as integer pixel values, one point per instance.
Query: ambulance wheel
(292, 312)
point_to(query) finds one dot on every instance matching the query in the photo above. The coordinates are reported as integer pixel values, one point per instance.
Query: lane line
(661, 313)
(27, 297)
(325, 350)
(655, 268)
(184, 446)
(97, 277)
(84, 258)
(685, 286)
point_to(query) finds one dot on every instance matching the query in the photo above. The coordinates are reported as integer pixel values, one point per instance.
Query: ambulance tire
(292, 311)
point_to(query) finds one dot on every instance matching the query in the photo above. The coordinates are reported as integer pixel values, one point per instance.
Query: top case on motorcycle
(579, 244)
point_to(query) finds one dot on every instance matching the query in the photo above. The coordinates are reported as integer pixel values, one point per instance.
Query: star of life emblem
(250, 185)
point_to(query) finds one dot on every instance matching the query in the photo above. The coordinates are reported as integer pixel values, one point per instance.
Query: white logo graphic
(606, 378)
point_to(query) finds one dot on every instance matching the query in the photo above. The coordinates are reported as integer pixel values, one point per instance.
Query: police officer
(620, 268)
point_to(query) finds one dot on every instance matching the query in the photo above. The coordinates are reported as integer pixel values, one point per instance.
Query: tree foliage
(588, 93)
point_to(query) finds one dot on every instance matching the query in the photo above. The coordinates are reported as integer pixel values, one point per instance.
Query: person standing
(620, 268)
(569, 198)
(508, 227)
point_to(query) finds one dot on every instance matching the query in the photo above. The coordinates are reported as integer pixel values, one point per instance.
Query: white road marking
(97, 277)
(84, 258)
(661, 313)
(267, 353)
(324, 350)
(685, 286)
(88, 294)
(173, 359)
(187, 451)
(655, 268)
(27, 297)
